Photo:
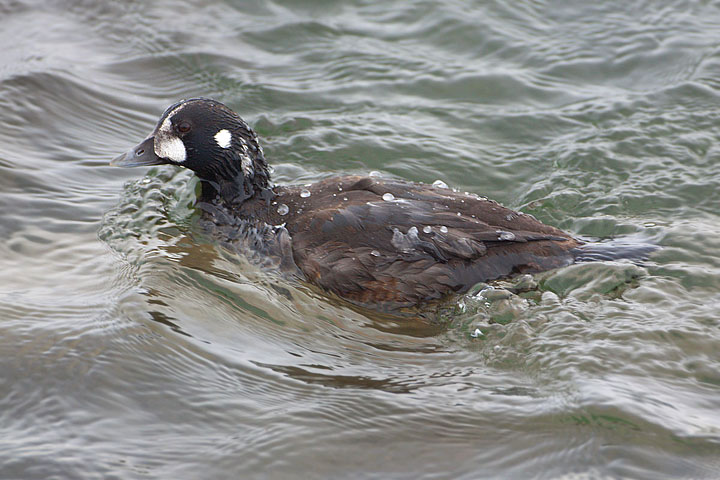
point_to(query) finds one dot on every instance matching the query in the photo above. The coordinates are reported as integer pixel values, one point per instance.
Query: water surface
(133, 347)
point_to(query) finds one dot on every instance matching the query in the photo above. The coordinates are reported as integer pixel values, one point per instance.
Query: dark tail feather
(620, 249)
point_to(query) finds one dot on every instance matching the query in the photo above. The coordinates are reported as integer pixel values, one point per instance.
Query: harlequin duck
(377, 242)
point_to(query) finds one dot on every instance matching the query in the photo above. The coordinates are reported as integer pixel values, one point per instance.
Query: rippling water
(133, 347)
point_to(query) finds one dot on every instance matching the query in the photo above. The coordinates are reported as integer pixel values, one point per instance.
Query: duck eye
(183, 127)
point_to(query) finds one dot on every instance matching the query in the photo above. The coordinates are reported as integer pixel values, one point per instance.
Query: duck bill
(140, 156)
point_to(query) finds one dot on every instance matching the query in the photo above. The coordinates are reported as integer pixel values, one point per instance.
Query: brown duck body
(395, 243)
(380, 242)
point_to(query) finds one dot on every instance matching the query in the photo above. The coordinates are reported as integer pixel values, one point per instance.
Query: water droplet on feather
(508, 236)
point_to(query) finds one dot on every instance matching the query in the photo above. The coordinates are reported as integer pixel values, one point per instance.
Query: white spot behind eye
(223, 138)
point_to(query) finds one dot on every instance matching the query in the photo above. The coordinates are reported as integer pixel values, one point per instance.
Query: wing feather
(424, 242)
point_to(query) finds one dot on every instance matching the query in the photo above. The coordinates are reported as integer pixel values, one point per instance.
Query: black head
(209, 139)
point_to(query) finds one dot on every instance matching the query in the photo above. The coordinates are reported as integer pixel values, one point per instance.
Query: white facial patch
(166, 144)
(223, 138)
(170, 147)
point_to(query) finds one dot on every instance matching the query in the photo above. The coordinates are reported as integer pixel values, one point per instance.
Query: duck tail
(614, 249)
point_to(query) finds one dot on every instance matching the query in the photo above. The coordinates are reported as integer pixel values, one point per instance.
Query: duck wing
(402, 242)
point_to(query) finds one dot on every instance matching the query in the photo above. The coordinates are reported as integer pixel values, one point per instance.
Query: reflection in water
(340, 381)
(163, 319)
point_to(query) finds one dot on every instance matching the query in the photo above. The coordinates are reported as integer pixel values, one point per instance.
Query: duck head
(211, 140)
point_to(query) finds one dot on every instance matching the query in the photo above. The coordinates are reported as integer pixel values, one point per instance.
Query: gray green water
(131, 347)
